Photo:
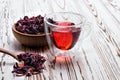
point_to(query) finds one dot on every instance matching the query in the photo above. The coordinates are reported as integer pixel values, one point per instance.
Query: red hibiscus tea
(65, 37)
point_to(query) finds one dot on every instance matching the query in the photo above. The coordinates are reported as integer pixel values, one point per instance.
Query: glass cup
(63, 30)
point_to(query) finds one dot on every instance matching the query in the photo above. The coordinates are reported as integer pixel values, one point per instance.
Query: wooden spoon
(12, 54)
(9, 53)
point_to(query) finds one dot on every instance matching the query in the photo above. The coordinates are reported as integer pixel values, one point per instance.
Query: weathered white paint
(96, 59)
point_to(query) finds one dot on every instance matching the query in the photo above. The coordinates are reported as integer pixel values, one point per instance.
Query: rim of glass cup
(76, 24)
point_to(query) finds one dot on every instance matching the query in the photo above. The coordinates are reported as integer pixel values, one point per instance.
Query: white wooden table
(98, 58)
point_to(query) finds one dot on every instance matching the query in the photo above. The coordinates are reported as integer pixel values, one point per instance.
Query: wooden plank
(97, 58)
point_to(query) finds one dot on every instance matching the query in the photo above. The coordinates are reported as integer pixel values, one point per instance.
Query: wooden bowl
(30, 40)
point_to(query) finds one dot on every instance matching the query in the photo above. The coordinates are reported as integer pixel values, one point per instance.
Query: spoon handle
(9, 53)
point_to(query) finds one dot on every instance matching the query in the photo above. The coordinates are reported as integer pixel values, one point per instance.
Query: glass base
(62, 58)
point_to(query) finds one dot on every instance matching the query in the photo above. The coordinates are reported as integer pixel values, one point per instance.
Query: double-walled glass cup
(63, 30)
